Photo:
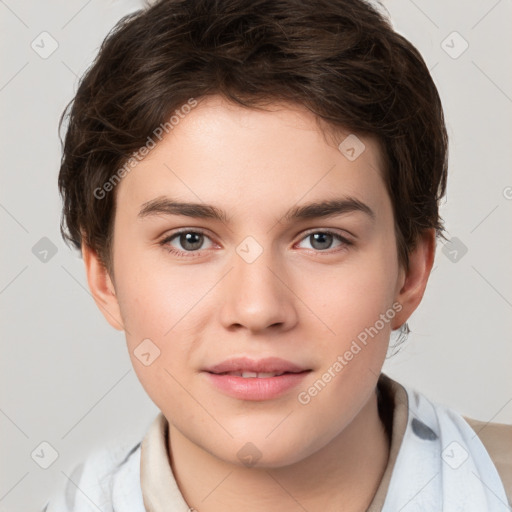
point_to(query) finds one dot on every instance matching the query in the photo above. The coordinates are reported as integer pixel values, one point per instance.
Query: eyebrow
(315, 210)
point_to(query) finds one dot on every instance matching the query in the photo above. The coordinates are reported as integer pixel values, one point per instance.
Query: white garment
(442, 466)
(108, 481)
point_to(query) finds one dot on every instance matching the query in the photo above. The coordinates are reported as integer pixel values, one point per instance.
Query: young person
(254, 187)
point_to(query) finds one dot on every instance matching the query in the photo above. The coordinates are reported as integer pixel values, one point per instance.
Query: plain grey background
(66, 378)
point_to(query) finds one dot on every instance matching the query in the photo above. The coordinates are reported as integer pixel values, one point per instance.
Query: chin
(254, 451)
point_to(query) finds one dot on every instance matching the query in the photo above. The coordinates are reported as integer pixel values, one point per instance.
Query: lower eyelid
(166, 241)
(343, 240)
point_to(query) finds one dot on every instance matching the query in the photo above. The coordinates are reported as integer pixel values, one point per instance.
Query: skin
(298, 301)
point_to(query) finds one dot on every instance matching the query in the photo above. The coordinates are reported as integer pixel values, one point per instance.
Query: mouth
(256, 375)
(248, 379)
(259, 368)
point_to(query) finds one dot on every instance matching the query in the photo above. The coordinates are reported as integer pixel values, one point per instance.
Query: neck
(342, 476)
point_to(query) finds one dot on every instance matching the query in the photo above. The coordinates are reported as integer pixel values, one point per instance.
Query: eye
(323, 240)
(186, 241)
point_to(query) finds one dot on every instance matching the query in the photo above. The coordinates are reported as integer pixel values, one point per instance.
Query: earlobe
(102, 288)
(421, 260)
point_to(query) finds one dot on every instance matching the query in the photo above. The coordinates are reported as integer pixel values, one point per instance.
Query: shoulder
(497, 439)
(94, 483)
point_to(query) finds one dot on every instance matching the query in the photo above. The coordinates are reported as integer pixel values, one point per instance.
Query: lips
(250, 368)
(253, 375)
(250, 379)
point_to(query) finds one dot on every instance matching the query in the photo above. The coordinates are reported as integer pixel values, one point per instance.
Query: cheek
(158, 316)
(150, 294)
(358, 309)
(352, 296)
(168, 305)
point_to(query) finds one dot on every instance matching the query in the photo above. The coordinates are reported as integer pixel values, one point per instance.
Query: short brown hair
(341, 59)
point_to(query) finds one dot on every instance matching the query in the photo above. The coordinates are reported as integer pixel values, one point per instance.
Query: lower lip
(254, 388)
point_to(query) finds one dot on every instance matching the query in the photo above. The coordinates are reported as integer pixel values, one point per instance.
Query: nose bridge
(257, 296)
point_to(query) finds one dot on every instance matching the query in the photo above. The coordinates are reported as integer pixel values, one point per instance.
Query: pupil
(319, 238)
(189, 241)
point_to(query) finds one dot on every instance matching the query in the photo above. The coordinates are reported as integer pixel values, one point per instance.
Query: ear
(102, 287)
(414, 281)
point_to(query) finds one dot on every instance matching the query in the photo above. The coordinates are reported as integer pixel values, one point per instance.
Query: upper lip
(245, 364)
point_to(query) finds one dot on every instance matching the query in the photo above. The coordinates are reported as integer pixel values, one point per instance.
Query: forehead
(224, 153)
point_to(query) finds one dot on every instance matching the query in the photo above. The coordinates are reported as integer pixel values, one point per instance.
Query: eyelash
(191, 254)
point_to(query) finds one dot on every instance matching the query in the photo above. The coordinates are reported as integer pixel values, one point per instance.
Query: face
(256, 271)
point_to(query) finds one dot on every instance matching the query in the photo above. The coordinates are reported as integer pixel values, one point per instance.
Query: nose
(258, 295)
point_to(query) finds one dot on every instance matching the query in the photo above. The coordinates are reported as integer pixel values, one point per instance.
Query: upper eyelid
(304, 235)
(188, 230)
(329, 230)
(168, 238)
